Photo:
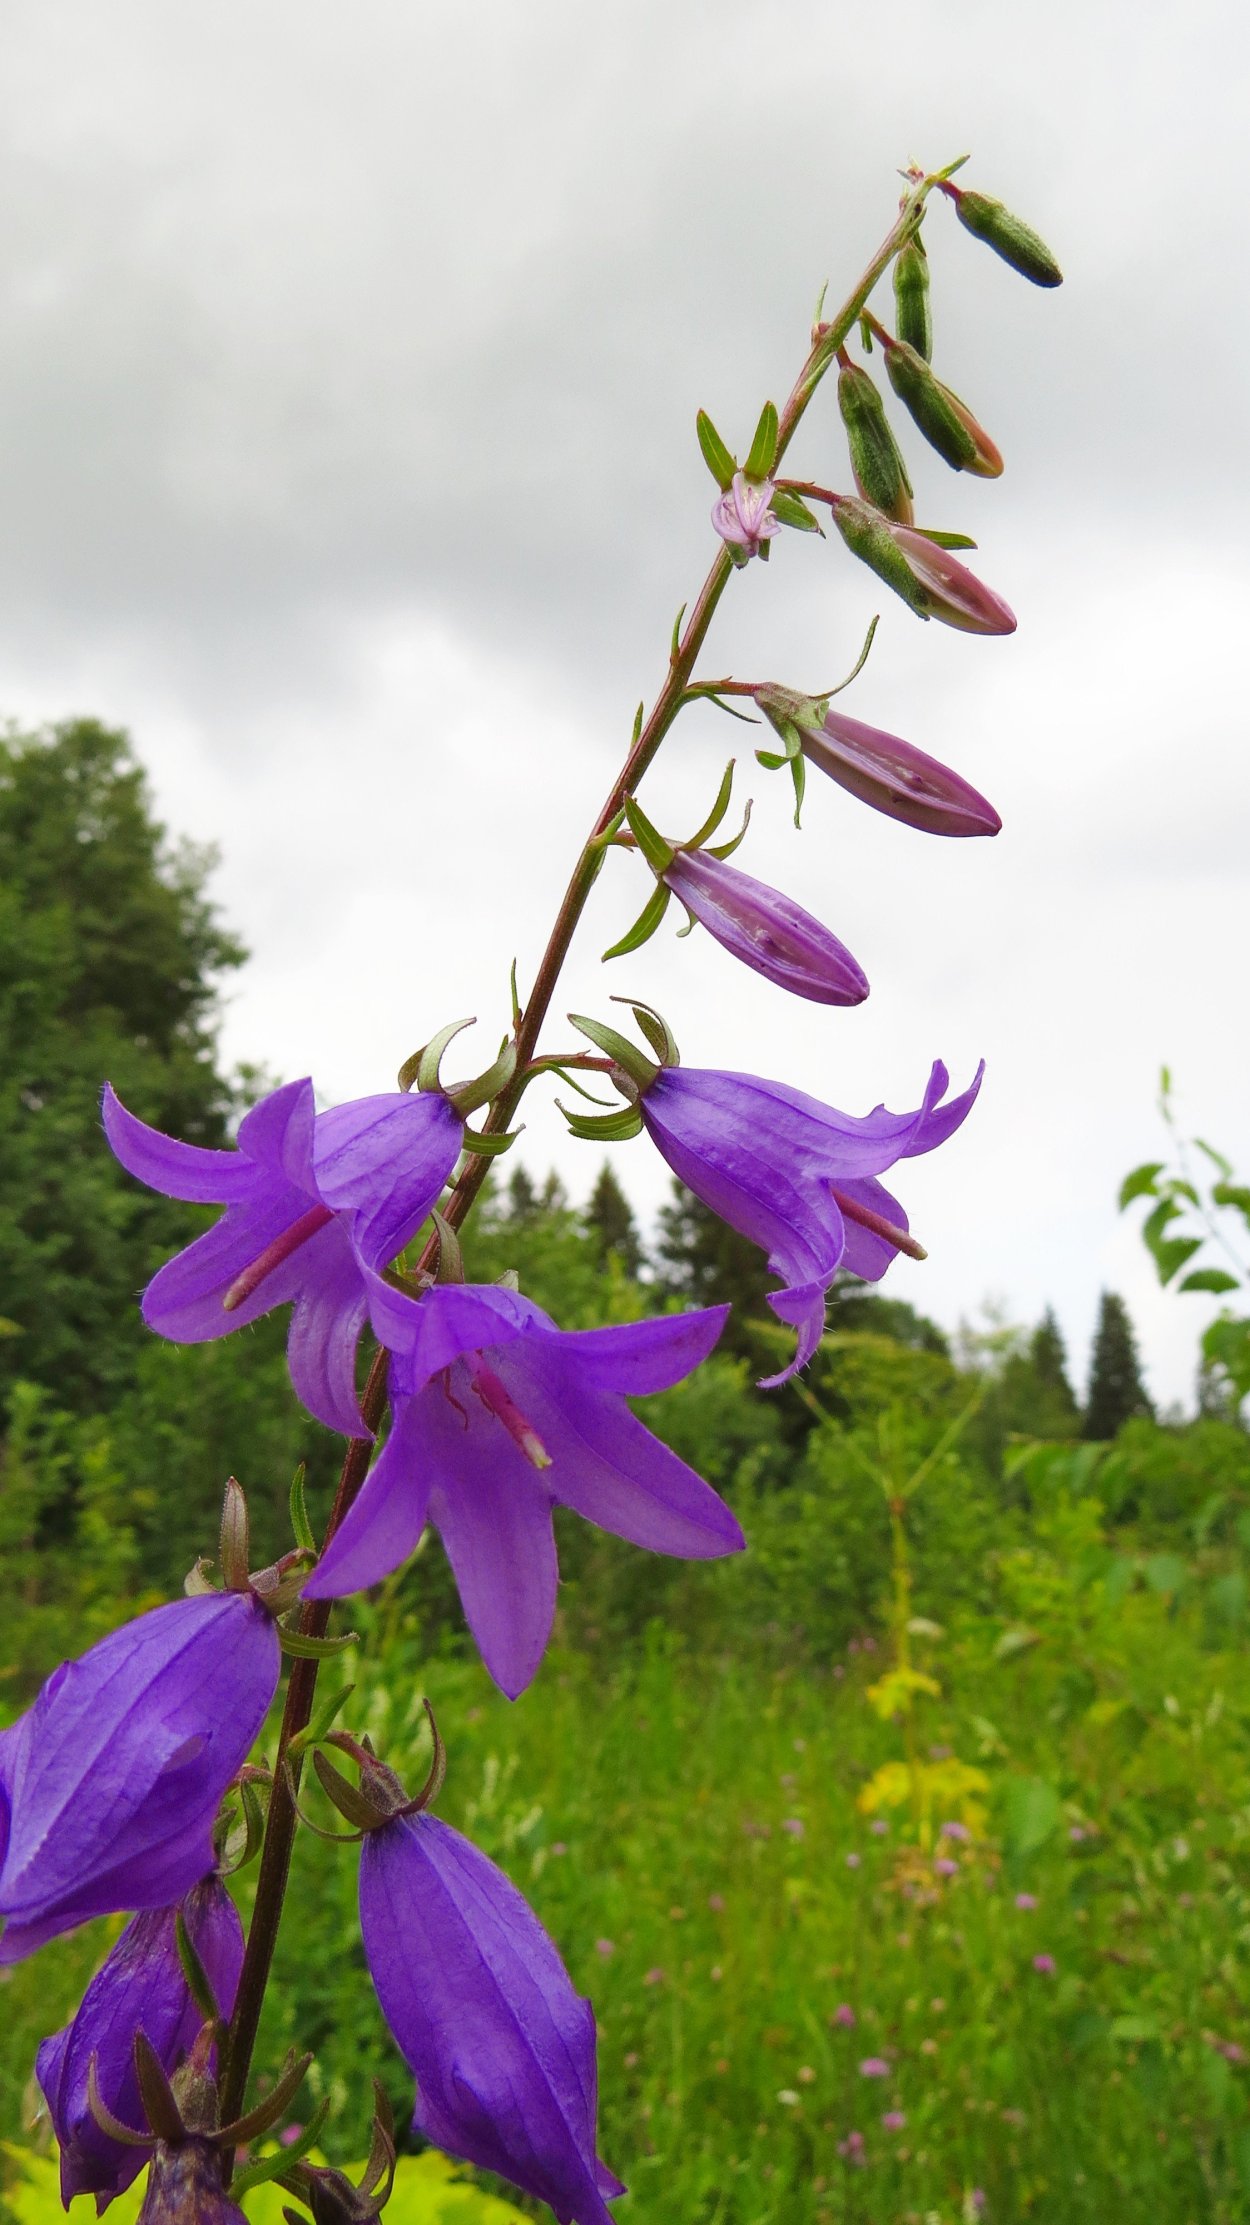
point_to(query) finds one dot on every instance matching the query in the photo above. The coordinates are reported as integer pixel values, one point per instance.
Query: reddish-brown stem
(275, 1858)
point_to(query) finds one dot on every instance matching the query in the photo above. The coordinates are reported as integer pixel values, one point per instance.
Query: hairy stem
(275, 1861)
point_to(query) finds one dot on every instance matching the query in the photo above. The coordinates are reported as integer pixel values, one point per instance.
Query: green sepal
(606, 1128)
(739, 556)
(422, 1067)
(657, 852)
(792, 510)
(197, 1582)
(487, 1086)
(199, 1984)
(450, 1256)
(771, 759)
(763, 451)
(726, 849)
(715, 454)
(942, 540)
(820, 703)
(233, 1549)
(656, 1029)
(480, 1146)
(717, 812)
(238, 1852)
(617, 1047)
(1009, 236)
(644, 926)
(269, 2167)
(313, 1733)
(302, 1648)
(570, 1080)
(301, 1527)
(798, 774)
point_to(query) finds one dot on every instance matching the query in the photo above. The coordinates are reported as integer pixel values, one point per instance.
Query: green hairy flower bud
(946, 422)
(867, 535)
(913, 314)
(880, 473)
(1015, 241)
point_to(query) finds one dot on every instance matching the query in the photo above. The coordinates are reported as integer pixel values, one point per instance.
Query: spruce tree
(609, 1221)
(1116, 1390)
(1036, 1396)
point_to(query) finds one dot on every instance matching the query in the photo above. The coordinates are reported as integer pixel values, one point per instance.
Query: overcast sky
(351, 357)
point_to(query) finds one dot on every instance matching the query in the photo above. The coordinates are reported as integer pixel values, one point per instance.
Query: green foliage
(1116, 1390)
(609, 1222)
(1217, 1207)
(428, 2191)
(110, 954)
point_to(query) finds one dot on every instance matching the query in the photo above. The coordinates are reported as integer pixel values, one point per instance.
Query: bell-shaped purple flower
(497, 1416)
(768, 931)
(140, 1988)
(881, 769)
(111, 1781)
(482, 2010)
(312, 1201)
(742, 515)
(796, 1176)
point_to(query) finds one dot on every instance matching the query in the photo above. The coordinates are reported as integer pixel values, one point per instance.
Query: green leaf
(792, 510)
(1033, 1810)
(715, 454)
(1226, 1598)
(1172, 1253)
(1210, 1278)
(763, 450)
(1134, 2028)
(300, 1524)
(1166, 1573)
(1140, 1183)
(1233, 1194)
(1216, 1157)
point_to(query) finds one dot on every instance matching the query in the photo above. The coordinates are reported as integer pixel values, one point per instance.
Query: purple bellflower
(482, 2010)
(141, 1987)
(742, 515)
(312, 1201)
(881, 769)
(797, 1177)
(768, 931)
(497, 1417)
(111, 1781)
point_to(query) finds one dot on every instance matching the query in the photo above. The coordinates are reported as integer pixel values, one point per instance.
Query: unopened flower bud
(881, 769)
(1015, 241)
(766, 930)
(913, 315)
(880, 473)
(930, 580)
(947, 423)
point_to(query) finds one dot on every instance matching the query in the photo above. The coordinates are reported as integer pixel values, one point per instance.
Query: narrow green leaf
(763, 451)
(1216, 1157)
(300, 1524)
(322, 1721)
(715, 454)
(269, 2167)
(644, 926)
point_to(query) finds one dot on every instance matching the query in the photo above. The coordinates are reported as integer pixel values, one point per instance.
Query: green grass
(683, 1825)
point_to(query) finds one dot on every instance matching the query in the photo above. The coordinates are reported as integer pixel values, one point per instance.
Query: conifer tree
(1116, 1390)
(609, 1221)
(1036, 1396)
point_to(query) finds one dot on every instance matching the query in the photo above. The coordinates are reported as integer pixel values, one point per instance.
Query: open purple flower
(140, 1988)
(497, 1417)
(796, 1176)
(768, 931)
(482, 2010)
(311, 1198)
(111, 1781)
(742, 515)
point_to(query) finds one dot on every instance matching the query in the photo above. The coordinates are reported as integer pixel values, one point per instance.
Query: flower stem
(275, 1861)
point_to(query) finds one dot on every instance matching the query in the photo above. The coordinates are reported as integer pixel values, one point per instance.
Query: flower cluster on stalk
(126, 1786)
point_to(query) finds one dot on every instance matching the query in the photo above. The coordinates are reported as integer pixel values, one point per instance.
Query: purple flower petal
(115, 1774)
(773, 1163)
(315, 1203)
(499, 1416)
(895, 777)
(474, 1991)
(140, 1987)
(766, 930)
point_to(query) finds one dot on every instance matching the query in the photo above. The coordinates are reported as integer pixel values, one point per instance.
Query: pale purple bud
(742, 514)
(768, 931)
(955, 595)
(895, 777)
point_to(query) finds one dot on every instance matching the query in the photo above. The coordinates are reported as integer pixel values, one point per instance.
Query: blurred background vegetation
(978, 1595)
